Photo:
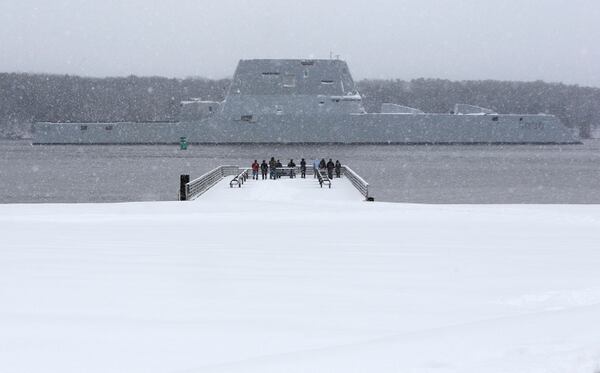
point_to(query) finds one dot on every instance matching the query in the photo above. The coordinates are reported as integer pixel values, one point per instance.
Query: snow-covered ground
(293, 284)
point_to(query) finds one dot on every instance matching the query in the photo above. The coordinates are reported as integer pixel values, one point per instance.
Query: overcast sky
(551, 40)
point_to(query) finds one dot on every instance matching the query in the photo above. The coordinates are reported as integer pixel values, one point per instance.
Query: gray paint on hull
(320, 128)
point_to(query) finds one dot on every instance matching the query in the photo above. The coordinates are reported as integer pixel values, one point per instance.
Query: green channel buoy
(183, 143)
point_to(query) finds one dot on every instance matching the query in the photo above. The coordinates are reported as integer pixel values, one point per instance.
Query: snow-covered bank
(320, 286)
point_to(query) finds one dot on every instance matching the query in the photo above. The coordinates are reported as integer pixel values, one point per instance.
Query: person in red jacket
(255, 167)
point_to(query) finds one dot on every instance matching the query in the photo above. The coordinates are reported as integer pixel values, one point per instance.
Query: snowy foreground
(276, 284)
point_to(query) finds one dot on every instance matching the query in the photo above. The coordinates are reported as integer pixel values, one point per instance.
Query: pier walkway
(283, 189)
(232, 183)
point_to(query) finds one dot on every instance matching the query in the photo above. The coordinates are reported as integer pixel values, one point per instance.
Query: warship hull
(310, 101)
(303, 129)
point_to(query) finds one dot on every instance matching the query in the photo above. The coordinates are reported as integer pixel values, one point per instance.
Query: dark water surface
(399, 173)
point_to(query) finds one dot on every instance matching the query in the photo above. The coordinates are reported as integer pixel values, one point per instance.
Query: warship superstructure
(310, 101)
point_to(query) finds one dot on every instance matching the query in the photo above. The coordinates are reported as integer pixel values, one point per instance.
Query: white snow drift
(299, 285)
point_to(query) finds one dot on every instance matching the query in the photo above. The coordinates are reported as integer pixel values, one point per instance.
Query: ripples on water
(397, 173)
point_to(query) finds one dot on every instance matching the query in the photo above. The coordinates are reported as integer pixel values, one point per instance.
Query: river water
(396, 173)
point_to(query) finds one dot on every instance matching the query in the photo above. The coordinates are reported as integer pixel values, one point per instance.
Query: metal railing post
(183, 180)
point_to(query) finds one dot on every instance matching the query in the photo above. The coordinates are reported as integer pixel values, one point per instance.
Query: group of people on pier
(329, 166)
(275, 169)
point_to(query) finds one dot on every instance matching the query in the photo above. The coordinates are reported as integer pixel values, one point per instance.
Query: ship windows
(108, 128)
(327, 81)
(246, 118)
(270, 73)
(289, 80)
(83, 128)
(495, 119)
(307, 62)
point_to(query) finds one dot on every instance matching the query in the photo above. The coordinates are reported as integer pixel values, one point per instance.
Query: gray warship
(311, 101)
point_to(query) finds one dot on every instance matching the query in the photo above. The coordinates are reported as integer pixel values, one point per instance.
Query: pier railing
(196, 187)
(358, 182)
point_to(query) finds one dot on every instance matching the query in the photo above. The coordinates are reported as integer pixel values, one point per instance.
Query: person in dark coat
(303, 168)
(338, 168)
(278, 172)
(272, 166)
(322, 164)
(330, 167)
(264, 169)
(292, 165)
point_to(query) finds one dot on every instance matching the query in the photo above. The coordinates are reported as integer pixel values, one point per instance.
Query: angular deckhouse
(310, 101)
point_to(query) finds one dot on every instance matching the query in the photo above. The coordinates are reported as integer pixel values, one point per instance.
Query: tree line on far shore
(29, 98)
